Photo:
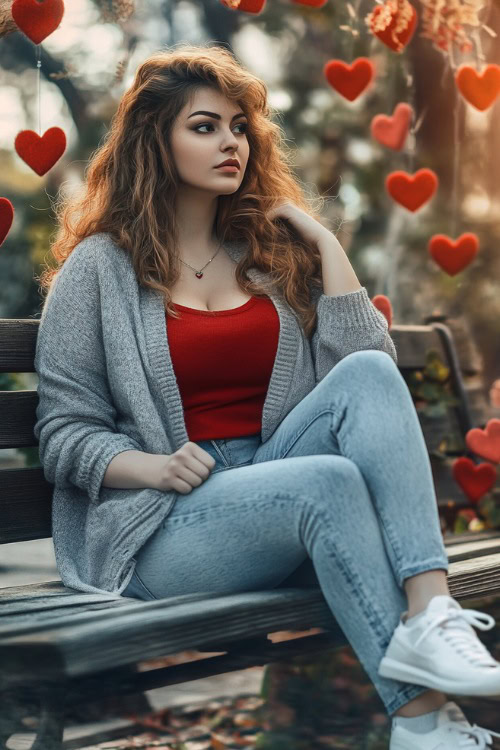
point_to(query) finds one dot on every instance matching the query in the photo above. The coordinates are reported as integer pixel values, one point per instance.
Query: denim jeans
(346, 480)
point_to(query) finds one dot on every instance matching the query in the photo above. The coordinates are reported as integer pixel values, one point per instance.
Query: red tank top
(223, 362)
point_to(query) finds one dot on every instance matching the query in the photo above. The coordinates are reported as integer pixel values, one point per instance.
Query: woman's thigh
(241, 529)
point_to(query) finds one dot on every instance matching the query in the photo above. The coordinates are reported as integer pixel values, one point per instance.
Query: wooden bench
(61, 648)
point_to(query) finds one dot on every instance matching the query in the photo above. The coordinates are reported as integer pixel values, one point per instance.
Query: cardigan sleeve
(75, 423)
(347, 323)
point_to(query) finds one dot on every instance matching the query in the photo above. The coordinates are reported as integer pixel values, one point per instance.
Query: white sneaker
(440, 650)
(453, 731)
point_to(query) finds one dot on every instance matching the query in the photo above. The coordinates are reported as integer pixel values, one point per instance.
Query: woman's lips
(229, 168)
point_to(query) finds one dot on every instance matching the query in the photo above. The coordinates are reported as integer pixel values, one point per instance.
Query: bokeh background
(89, 61)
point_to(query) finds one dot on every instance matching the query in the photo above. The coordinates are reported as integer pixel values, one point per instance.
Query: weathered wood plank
(412, 344)
(18, 344)
(475, 536)
(473, 548)
(25, 505)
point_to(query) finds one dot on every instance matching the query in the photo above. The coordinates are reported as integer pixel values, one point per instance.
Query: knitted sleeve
(75, 423)
(347, 323)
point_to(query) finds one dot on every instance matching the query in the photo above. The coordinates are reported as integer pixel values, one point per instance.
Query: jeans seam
(340, 559)
(305, 427)
(223, 458)
(141, 582)
(380, 511)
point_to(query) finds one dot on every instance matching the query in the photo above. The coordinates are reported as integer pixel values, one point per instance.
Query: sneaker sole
(399, 746)
(404, 673)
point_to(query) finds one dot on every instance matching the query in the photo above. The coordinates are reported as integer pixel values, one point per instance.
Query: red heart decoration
(313, 3)
(37, 19)
(6, 218)
(392, 131)
(247, 6)
(485, 443)
(397, 41)
(383, 304)
(412, 191)
(40, 153)
(479, 89)
(474, 480)
(349, 80)
(451, 256)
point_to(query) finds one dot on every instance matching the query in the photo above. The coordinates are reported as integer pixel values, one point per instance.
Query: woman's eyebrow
(214, 114)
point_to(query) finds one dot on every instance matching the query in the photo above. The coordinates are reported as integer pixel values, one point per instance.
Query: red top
(223, 360)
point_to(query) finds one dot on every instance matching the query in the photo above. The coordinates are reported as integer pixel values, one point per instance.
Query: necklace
(199, 274)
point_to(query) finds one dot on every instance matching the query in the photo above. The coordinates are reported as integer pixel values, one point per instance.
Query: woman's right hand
(186, 468)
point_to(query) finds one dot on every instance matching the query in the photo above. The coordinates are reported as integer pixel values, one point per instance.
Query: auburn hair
(131, 180)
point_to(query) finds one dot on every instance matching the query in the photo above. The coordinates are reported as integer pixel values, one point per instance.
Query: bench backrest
(25, 494)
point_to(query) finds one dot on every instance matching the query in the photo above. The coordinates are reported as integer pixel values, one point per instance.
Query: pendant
(198, 274)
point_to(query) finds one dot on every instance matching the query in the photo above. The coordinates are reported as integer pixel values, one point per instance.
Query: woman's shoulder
(101, 250)
(93, 243)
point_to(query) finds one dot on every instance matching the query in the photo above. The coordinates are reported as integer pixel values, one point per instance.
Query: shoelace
(471, 737)
(460, 636)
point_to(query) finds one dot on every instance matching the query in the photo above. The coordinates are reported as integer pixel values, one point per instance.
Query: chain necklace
(199, 274)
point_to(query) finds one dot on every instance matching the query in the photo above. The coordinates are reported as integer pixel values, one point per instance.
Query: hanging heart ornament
(485, 443)
(412, 191)
(245, 6)
(479, 89)
(6, 218)
(383, 303)
(349, 80)
(474, 480)
(37, 19)
(394, 23)
(392, 131)
(453, 256)
(40, 153)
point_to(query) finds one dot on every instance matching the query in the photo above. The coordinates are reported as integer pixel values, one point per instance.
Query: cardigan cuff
(111, 446)
(351, 310)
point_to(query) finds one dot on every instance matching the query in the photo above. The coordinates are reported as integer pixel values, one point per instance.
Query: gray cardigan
(106, 384)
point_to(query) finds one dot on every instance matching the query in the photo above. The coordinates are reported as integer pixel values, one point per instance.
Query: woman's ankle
(431, 700)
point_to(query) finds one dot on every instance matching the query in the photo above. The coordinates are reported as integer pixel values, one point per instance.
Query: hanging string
(388, 279)
(456, 162)
(354, 13)
(391, 83)
(411, 149)
(479, 55)
(39, 65)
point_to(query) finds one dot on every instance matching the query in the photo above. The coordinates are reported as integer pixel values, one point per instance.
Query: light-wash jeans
(346, 480)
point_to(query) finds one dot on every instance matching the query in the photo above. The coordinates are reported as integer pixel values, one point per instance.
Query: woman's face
(200, 142)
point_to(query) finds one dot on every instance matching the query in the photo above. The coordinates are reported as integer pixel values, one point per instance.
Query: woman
(203, 325)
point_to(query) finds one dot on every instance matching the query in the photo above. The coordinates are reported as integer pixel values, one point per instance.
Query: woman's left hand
(310, 229)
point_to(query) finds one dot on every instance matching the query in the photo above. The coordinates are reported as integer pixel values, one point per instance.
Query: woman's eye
(243, 125)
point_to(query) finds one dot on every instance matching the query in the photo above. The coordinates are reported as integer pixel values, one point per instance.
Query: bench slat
(42, 589)
(154, 629)
(62, 606)
(473, 548)
(26, 505)
(18, 344)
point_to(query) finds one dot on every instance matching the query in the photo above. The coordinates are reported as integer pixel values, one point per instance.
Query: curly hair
(131, 178)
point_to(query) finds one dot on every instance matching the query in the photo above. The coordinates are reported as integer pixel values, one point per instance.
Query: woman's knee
(368, 360)
(365, 371)
(325, 477)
